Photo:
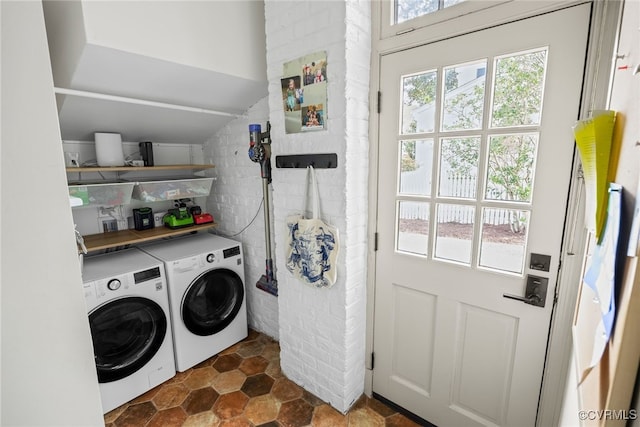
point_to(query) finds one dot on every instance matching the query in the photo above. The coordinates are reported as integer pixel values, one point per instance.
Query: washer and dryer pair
(162, 307)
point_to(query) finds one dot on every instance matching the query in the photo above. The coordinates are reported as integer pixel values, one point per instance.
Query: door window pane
(409, 9)
(518, 88)
(511, 166)
(464, 96)
(418, 102)
(416, 163)
(504, 236)
(454, 232)
(459, 167)
(413, 227)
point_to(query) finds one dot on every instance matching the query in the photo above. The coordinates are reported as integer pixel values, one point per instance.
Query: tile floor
(244, 386)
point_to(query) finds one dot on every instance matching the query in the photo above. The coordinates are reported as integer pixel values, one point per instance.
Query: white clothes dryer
(128, 306)
(205, 278)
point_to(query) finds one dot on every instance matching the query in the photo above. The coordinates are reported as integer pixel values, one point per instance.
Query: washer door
(212, 301)
(126, 334)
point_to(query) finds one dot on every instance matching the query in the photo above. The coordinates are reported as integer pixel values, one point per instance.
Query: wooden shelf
(137, 168)
(96, 242)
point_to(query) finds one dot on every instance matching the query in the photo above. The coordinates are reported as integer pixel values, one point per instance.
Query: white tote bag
(312, 244)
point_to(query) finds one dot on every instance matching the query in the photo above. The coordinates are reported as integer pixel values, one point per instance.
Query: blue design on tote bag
(310, 251)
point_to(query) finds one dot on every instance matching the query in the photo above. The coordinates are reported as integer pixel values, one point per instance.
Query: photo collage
(304, 93)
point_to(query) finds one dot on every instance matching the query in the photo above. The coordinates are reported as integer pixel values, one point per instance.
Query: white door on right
(475, 155)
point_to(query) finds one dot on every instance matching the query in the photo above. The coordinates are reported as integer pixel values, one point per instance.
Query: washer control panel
(149, 280)
(114, 284)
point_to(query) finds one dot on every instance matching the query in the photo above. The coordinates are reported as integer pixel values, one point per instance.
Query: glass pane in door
(504, 238)
(418, 102)
(413, 227)
(464, 96)
(454, 232)
(511, 165)
(416, 163)
(459, 167)
(518, 88)
(409, 9)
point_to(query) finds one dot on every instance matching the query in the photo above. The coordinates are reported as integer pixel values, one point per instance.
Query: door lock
(535, 292)
(540, 262)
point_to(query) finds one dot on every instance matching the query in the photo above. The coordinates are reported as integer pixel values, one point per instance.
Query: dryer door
(126, 334)
(212, 301)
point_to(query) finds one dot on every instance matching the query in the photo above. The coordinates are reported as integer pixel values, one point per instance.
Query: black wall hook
(317, 161)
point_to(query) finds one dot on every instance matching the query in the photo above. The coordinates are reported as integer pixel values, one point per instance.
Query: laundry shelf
(137, 168)
(113, 239)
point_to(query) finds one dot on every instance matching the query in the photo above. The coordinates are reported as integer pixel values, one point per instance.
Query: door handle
(535, 292)
(531, 299)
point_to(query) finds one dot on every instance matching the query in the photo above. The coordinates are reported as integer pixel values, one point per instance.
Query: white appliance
(128, 308)
(205, 278)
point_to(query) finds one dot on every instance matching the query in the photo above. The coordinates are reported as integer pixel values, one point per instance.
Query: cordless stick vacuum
(260, 152)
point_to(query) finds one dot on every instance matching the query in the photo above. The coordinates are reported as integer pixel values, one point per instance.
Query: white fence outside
(461, 186)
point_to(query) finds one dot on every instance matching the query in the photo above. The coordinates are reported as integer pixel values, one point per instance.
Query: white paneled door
(475, 154)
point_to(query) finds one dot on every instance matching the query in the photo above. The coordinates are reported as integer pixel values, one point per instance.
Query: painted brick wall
(235, 200)
(322, 331)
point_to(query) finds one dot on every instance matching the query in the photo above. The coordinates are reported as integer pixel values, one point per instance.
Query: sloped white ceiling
(107, 71)
(97, 69)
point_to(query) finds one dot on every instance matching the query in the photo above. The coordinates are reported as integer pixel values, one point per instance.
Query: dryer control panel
(234, 251)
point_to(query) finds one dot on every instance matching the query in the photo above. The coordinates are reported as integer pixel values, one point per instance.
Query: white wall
(322, 331)
(48, 371)
(65, 55)
(194, 33)
(235, 200)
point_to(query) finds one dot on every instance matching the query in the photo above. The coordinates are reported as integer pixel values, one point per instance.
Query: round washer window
(212, 301)
(126, 334)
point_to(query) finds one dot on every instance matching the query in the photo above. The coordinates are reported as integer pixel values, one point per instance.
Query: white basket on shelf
(173, 189)
(101, 193)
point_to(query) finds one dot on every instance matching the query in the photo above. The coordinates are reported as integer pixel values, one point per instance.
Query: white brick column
(322, 331)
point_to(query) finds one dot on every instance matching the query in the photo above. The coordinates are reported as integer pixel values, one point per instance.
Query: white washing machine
(128, 306)
(205, 278)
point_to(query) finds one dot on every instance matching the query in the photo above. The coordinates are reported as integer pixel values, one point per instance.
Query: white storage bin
(102, 193)
(156, 191)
